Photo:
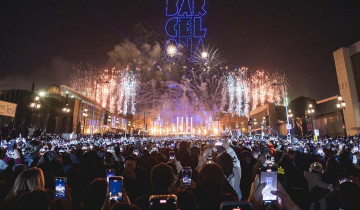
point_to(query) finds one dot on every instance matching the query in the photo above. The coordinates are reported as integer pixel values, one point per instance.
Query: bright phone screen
(270, 178)
(60, 188)
(115, 189)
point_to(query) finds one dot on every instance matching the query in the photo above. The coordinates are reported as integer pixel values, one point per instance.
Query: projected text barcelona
(184, 25)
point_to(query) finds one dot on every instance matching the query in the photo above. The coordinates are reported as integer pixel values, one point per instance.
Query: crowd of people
(321, 174)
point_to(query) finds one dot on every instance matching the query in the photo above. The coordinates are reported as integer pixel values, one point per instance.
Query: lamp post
(255, 123)
(341, 106)
(65, 110)
(35, 105)
(286, 109)
(310, 112)
(85, 114)
(291, 115)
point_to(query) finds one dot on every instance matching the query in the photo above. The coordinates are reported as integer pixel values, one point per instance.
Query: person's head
(226, 163)
(349, 194)
(130, 164)
(246, 156)
(28, 180)
(211, 177)
(109, 158)
(316, 168)
(36, 199)
(186, 199)
(162, 177)
(124, 206)
(151, 162)
(95, 194)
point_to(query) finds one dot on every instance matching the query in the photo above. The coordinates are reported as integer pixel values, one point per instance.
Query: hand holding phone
(270, 178)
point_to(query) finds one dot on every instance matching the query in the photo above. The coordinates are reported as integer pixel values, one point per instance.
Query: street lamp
(310, 112)
(286, 109)
(291, 115)
(35, 105)
(85, 114)
(341, 106)
(65, 110)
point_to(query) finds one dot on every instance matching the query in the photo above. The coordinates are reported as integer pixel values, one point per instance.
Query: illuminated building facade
(347, 63)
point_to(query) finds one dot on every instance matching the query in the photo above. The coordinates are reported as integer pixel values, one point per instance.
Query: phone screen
(115, 188)
(10, 148)
(270, 178)
(186, 176)
(355, 160)
(236, 205)
(163, 203)
(109, 173)
(210, 159)
(60, 183)
(171, 155)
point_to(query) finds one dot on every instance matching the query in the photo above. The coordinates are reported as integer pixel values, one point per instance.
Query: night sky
(41, 40)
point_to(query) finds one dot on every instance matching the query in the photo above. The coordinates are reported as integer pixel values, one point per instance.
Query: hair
(226, 162)
(28, 180)
(130, 157)
(211, 177)
(124, 206)
(348, 194)
(316, 168)
(37, 199)
(95, 194)
(186, 199)
(162, 177)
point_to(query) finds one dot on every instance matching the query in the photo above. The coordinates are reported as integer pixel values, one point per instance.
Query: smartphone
(171, 155)
(163, 202)
(136, 152)
(210, 159)
(10, 148)
(218, 143)
(355, 160)
(115, 188)
(186, 176)
(235, 205)
(109, 173)
(60, 183)
(270, 178)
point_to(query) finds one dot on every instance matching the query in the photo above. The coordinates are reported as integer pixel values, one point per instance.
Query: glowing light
(171, 50)
(255, 87)
(204, 55)
(42, 93)
(115, 89)
(184, 26)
